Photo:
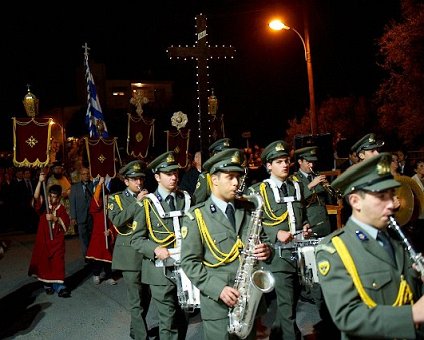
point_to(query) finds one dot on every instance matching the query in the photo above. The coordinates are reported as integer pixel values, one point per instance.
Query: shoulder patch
(325, 247)
(184, 231)
(324, 267)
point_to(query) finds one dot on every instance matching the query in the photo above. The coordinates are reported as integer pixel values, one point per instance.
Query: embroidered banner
(101, 156)
(31, 141)
(177, 141)
(140, 131)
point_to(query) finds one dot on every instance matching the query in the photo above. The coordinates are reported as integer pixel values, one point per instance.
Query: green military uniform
(315, 198)
(203, 190)
(278, 215)
(154, 227)
(209, 237)
(373, 313)
(122, 207)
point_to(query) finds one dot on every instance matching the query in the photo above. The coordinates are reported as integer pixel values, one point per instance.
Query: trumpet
(333, 192)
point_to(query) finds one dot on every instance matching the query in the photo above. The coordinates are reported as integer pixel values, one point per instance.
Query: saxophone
(250, 281)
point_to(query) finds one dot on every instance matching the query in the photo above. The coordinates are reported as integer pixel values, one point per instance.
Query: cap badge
(170, 158)
(383, 167)
(226, 143)
(371, 139)
(279, 147)
(313, 152)
(236, 158)
(137, 167)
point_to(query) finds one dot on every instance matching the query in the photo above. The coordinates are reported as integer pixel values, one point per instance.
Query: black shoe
(153, 332)
(49, 291)
(64, 293)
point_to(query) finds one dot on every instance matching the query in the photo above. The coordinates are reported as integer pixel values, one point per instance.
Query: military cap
(368, 142)
(274, 150)
(164, 163)
(133, 169)
(309, 153)
(226, 160)
(57, 164)
(219, 145)
(372, 174)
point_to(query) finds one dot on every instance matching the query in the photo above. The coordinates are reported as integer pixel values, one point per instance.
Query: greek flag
(94, 116)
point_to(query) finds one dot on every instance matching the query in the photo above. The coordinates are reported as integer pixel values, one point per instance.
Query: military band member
(203, 185)
(366, 275)
(212, 243)
(121, 209)
(284, 219)
(367, 147)
(156, 236)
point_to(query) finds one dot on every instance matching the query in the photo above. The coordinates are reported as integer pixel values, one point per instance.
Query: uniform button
(374, 285)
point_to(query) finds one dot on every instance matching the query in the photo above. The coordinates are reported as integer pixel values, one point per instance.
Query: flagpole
(104, 215)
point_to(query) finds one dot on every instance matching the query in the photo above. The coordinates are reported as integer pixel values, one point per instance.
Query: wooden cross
(202, 52)
(86, 49)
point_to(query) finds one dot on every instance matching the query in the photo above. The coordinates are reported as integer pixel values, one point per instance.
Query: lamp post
(278, 25)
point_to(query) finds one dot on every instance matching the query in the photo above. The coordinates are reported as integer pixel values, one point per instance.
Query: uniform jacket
(284, 259)
(380, 277)
(144, 243)
(124, 256)
(211, 281)
(80, 202)
(315, 203)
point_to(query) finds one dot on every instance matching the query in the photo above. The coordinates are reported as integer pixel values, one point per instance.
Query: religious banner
(178, 141)
(101, 156)
(216, 124)
(31, 141)
(140, 131)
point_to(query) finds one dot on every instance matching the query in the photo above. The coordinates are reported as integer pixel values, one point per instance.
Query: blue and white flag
(94, 116)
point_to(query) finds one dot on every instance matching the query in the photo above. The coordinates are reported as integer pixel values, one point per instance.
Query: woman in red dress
(100, 249)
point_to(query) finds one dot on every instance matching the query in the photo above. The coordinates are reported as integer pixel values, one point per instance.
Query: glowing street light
(278, 25)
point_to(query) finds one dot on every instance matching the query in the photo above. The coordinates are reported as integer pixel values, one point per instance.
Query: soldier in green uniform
(203, 186)
(367, 146)
(366, 274)
(284, 221)
(156, 236)
(122, 207)
(213, 234)
(315, 196)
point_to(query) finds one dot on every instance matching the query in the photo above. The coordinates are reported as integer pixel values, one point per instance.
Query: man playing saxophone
(214, 233)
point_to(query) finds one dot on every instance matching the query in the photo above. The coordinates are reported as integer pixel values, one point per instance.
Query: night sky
(259, 90)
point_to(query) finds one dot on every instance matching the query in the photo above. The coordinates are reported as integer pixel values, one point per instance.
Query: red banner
(177, 141)
(31, 141)
(140, 130)
(101, 156)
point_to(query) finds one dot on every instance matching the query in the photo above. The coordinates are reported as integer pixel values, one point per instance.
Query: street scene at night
(213, 170)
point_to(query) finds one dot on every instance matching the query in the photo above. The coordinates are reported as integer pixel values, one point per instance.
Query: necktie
(310, 178)
(284, 189)
(387, 245)
(229, 211)
(170, 200)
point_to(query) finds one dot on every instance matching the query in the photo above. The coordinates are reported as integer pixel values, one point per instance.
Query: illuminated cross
(202, 51)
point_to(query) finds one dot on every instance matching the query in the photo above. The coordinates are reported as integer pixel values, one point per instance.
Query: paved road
(93, 311)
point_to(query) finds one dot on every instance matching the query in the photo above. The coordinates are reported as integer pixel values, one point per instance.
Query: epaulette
(325, 247)
(199, 205)
(294, 178)
(189, 215)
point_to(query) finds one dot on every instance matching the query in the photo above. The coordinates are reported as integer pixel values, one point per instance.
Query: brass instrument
(250, 281)
(417, 258)
(242, 184)
(333, 192)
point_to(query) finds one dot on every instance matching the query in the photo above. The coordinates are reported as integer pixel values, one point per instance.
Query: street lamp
(278, 25)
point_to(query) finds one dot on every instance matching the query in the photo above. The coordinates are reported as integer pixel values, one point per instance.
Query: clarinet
(417, 258)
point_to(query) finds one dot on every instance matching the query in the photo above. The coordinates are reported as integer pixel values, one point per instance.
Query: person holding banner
(100, 248)
(48, 255)
(156, 230)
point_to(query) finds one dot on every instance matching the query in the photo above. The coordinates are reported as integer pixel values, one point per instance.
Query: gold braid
(221, 257)
(171, 235)
(268, 211)
(404, 296)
